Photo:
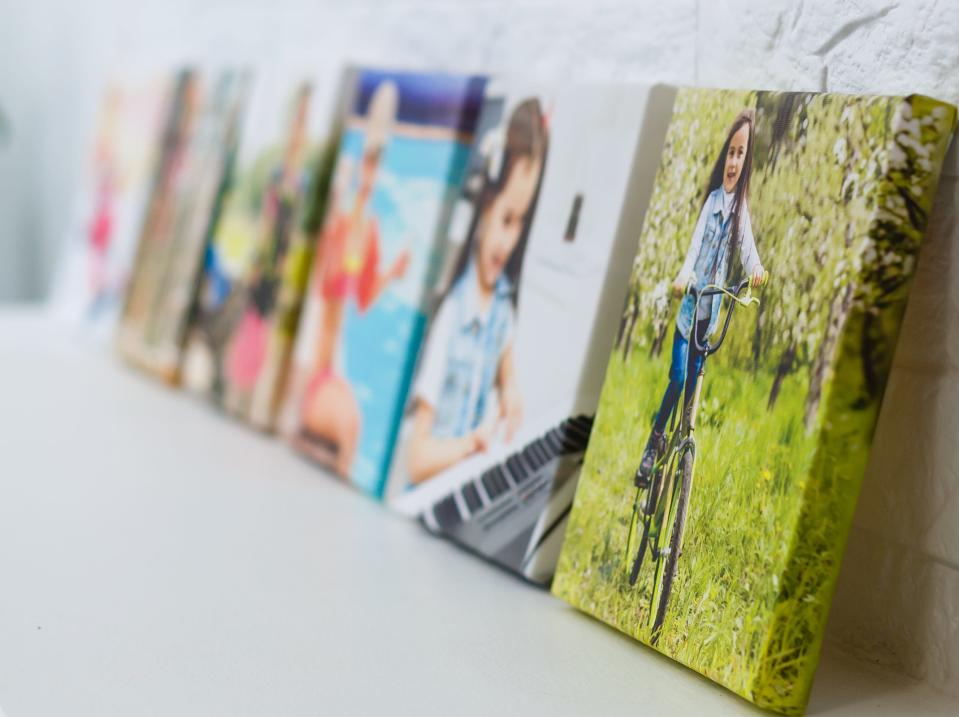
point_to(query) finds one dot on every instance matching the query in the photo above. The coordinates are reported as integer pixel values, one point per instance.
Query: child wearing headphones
(469, 354)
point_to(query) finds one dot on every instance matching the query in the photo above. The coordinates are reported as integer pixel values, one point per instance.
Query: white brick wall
(898, 597)
(898, 600)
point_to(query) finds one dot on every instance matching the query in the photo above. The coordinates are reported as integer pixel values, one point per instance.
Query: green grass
(746, 497)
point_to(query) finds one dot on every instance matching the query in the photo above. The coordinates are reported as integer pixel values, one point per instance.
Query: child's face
(504, 219)
(735, 157)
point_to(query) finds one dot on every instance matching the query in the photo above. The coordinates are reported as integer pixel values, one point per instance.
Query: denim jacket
(474, 346)
(707, 260)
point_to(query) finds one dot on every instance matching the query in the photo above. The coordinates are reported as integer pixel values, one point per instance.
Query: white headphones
(493, 145)
(492, 149)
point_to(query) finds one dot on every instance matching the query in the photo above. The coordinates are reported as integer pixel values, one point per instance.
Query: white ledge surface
(159, 559)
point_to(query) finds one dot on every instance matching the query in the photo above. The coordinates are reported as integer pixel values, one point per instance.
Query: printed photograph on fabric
(753, 349)
(259, 399)
(509, 377)
(401, 159)
(195, 165)
(93, 276)
(245, 261)
(177, 133)
(466, 392)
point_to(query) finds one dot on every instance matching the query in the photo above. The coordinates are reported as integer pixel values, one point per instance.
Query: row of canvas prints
(480, 301)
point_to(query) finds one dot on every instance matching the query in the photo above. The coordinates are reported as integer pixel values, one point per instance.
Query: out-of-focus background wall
(55, 56)
(899, 592)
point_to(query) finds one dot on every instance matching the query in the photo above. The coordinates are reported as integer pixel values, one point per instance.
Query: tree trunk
(838, 313)
(871, 350)
(627, 344)
(623, 320)
(659, 340)
(784, 369)
(633, 315)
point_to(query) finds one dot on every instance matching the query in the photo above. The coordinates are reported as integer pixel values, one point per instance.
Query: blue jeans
(684, 367)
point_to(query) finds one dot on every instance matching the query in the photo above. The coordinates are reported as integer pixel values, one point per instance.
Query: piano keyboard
(494, 513)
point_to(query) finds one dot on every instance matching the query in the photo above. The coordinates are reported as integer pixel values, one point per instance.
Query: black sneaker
(653, 448)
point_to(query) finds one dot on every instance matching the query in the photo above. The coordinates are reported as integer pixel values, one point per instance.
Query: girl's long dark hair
(741, 195)
(526, 138)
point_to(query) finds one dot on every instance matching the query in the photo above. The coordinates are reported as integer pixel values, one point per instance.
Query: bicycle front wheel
(666, 565)
(641, 553)
(627, 554)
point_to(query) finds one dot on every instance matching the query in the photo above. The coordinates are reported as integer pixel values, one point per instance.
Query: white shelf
(158, 559)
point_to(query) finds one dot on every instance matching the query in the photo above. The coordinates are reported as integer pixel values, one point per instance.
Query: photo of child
(188, 195)
(713, 529)
(348, 267)
(538, 259)
(230, 327)
(282, 197)
(102, 227)
(723, 230)
(469, 351)
(111, 202)
(401, 156)
(157, 223)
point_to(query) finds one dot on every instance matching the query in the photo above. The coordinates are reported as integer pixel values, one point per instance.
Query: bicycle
(662, 498)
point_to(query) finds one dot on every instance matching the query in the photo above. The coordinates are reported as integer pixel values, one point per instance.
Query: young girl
(348, 266)
(723, 229)
(470, 349)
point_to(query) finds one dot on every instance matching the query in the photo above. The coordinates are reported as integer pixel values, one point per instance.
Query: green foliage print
(840, 193)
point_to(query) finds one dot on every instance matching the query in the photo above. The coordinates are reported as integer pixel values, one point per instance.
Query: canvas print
(194, 166)
(401, 159)
(90, 286)
(256, 262)
(741, 397)
(502, 404)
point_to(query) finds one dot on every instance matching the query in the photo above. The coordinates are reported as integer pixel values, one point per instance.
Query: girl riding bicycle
(723, 228)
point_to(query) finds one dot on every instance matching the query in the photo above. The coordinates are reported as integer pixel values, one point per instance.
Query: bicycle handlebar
(734, 290)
